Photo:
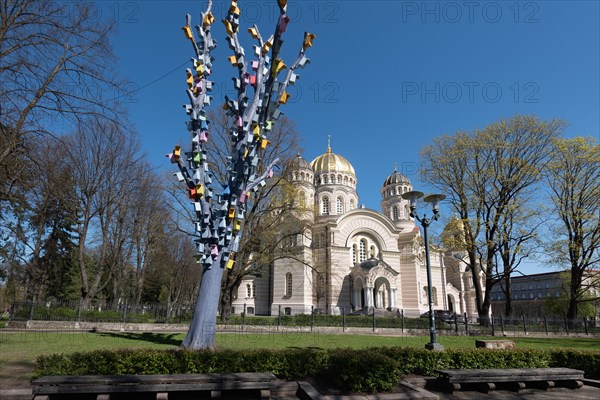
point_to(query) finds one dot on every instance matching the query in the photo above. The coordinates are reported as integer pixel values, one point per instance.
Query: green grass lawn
(26, 346)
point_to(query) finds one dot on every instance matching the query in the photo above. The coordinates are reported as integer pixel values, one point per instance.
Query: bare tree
(172, 271)
(573, 178)
(105, 164)
(149, 216)
(56, 65)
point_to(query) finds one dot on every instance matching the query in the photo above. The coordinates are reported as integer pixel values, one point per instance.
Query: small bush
(362, 371)
(587, 361)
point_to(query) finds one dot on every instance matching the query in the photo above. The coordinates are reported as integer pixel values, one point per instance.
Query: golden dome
(330, 162)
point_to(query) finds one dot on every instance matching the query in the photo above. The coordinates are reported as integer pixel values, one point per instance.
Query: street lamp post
(434, 199)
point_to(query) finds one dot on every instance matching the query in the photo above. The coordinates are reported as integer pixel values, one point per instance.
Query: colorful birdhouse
(308, 39)
(230, 263)
(208, 20)
(253, 32)
(284, 97)
(187, 30)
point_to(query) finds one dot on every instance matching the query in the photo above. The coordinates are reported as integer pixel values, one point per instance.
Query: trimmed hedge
(376, 369)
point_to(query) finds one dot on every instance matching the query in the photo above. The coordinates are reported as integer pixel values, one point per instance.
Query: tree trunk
(508, 294)
(201, 334)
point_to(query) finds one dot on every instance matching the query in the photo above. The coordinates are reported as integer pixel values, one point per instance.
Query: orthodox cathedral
(353, 259)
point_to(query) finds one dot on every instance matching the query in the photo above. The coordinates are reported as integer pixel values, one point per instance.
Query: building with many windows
(531, 293)
(354, 259)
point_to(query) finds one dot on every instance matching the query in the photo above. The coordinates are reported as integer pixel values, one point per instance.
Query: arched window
(363, 250)
(354, 253)
(352, 204)
(339, 179)
(288, 284)
(302, 199)
(345, 180)
(253, 289)
(372, 252)
(324, 178)
(395, 213)
(434, 295)
(340, 205)
(325, 205)
(248, 291)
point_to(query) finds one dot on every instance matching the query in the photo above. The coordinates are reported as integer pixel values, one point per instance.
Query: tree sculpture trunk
(219, 217)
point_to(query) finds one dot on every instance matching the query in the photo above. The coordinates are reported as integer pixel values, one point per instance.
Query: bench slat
(166, 378)
(458, 376)
(510, 375)
(159, 387)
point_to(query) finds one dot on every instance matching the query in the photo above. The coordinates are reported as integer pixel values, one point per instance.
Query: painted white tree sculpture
(219, 217)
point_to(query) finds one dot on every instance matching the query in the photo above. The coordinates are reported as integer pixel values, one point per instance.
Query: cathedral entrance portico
(374, 285)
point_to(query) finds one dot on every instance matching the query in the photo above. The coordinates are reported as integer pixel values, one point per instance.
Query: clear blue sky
(385, 76)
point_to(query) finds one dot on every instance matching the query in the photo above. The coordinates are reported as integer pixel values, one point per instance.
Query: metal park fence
(340, 320)
(100, 312)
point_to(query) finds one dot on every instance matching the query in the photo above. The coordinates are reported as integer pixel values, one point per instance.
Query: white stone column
(369, 296)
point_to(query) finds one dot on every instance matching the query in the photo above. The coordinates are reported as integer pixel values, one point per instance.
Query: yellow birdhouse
(234, 9)
(187, 30)
(208, 20)
(267, 46)
(228, 27)
(232, 60)
(253, 32)
(308, 38)
(264, 143)
(284, 97)
(256, 130)
(190, 78)
(200, 190)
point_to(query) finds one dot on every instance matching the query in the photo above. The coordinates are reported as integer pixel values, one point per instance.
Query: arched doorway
(451, 306)
(382, 293)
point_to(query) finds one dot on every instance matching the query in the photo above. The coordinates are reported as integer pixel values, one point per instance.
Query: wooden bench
(159, 387)
(453, 379)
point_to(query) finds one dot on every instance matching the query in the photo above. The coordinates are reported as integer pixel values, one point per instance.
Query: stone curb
(307, 392)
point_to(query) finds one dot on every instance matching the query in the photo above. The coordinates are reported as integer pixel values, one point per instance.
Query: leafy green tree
(486, 174)
(573, 178)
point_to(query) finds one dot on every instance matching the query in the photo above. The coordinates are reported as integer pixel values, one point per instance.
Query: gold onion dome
(331, 162)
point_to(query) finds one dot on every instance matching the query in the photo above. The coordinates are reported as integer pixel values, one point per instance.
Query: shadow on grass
(305, 348)
(157, 338)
